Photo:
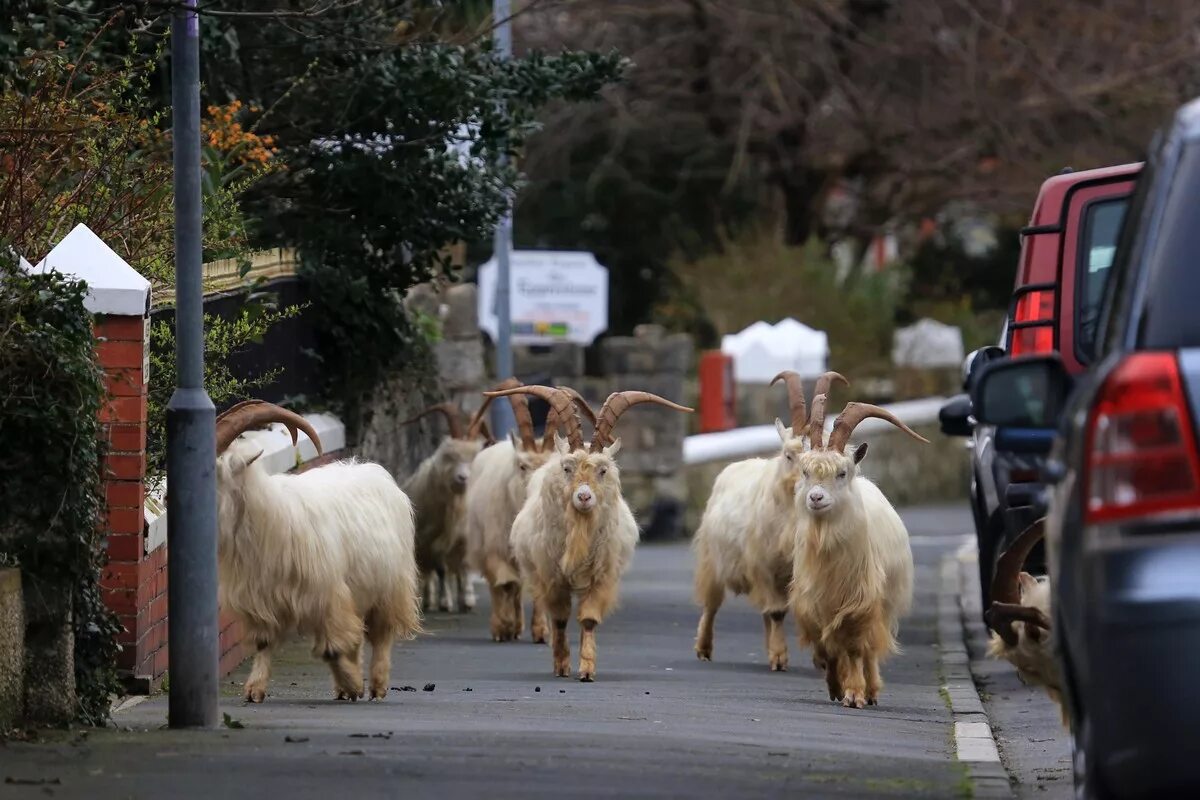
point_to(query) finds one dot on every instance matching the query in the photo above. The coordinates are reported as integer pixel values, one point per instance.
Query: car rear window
(1098, 243)
(1171, 318)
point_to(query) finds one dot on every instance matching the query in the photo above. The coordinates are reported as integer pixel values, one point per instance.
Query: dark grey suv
(1123, 530)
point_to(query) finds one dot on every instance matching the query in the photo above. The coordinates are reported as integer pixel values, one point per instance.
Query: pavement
(490, 718)
(1034, 746)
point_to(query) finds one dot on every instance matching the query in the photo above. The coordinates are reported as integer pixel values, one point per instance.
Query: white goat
(496, 490)
(1020, 617)
(853, 571)
(745, 540)
(437, 490)
(575, 534)
(328, 552)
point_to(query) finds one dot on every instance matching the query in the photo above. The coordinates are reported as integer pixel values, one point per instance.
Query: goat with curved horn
(520, 407)
(249, 415)
(1006, 605)
(562, 405)
(616, 405)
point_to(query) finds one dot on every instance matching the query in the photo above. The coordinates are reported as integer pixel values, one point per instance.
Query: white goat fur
(496, 490)
(1033, 658)
(328, 552)
(574, 537)
(744, 543)
(853, 574)
(436, 490)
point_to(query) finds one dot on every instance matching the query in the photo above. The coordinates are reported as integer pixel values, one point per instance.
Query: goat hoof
(562, 672)
(255, 695)
(587, 677)
(872, 701)
(779, 666)
(853, 699)
(378, 692)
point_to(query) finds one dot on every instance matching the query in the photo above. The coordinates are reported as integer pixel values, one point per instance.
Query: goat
(575, 534)
(328, 552)
(744, 542)
(1020, 618)
(852, 576)
(496, 490)
(437, 489)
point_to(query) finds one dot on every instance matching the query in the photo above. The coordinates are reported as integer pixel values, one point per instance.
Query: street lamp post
(502, 418)
(191, 435)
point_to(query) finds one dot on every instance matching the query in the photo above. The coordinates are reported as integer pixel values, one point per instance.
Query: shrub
(51, 390)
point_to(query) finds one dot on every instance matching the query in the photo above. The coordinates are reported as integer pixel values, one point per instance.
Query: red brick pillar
(134, 581)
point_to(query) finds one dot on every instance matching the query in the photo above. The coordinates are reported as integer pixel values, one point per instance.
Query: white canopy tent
(762, 350)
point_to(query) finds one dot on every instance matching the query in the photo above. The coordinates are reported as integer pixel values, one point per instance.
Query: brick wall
(134, 582)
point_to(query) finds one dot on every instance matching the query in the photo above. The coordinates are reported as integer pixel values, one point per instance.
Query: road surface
(656, 723)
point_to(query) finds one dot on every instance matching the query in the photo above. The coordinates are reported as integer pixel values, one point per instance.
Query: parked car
(1066, 252)
(1123, 528)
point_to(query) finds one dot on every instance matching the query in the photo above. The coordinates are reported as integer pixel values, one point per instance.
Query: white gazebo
(762, 350)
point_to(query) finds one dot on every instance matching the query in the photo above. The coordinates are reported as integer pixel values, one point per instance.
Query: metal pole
(191, 435)
(502, 417)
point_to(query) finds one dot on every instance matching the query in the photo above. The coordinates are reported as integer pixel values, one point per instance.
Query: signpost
(502, 417)
(557, 297)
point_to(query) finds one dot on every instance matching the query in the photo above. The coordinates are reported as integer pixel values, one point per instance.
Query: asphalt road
(656, 723)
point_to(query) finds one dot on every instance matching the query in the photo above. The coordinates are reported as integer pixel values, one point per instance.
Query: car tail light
(1141, 446)
(1033, 323)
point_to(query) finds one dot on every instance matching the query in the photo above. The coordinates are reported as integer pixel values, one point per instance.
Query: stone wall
(12, 649)
(908, 472)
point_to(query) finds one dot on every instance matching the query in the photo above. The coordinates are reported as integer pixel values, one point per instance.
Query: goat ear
(1028, 582)
(781, 430)
(512, 437)
(860, 453)
(561, 445)
(613, 448)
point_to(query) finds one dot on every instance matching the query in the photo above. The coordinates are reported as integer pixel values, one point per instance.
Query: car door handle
(1053, 470)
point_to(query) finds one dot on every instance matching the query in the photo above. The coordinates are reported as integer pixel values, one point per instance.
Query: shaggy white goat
(327, 552)
(1020, 617)
(496, 490)
(436, 490)
(745, 540)
(853, 569)
(575, 534)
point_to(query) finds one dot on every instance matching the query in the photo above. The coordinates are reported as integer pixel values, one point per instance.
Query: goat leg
(874, 681)
(587, 650)
(777, 654)
(833, 677)
(537, 622)
(854, 684)
(255, 690)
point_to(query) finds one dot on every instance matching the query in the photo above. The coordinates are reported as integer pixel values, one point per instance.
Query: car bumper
(1143, 648)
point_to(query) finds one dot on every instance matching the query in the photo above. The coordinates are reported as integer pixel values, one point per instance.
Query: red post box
(718, 397)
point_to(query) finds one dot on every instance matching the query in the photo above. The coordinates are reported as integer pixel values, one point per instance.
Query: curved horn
(553, 418)
(795, 390)
(616, 405)
(854, 413)
(520, 407)
(237, 407)
(256, 415)
(826, 380)
(816, 422)
(562, 406)
(1006, 584)
(451, 412)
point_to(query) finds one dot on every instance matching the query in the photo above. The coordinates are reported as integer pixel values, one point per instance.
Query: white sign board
(557, 296)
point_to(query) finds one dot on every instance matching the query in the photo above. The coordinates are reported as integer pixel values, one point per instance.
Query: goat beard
(579, 539)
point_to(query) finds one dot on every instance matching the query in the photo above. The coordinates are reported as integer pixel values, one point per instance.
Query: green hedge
(51, 493)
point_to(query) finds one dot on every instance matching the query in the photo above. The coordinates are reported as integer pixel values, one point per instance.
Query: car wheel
(993, 532)
(1088, 785)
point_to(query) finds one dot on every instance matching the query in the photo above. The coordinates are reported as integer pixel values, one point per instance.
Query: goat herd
(341, 553)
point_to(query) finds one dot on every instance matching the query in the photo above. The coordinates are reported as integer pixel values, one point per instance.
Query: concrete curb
(974, 741)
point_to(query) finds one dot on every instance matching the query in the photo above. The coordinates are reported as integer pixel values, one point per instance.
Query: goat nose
(816, 496)
(585, 495)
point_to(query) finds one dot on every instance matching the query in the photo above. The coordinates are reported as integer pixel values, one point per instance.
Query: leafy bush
(51, 390)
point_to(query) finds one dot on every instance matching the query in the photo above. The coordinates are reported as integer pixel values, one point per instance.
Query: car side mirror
(976, 361)
(1026, 392)
(955, 416)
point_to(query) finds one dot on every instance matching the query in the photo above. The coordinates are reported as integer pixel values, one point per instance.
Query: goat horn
(562, 407)
(616, 405)
(553, 420)
(795, 390)
(520, 407)
(1006, 583)
(256, 415)
(826, 380)
(236, 407)
(1001, 616)
(451, 412)
(816, 422)
(854, 413)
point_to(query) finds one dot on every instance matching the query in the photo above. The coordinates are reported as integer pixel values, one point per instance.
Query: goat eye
(603, 471)
(842, 474)
(806, 474)
(788, 456)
